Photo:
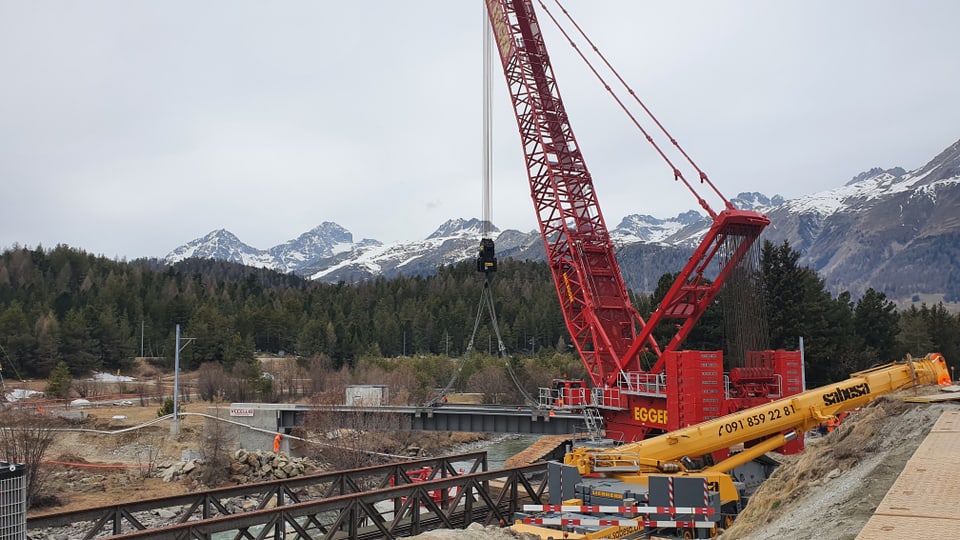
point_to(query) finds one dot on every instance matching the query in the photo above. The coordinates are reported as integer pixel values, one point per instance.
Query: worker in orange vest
(276, 443)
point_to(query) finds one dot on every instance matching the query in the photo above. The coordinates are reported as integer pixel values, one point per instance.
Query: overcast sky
(130, 128)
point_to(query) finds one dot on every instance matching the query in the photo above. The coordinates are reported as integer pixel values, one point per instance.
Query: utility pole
(175, 425)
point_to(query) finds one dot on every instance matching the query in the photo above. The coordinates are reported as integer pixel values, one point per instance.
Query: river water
(499, 448)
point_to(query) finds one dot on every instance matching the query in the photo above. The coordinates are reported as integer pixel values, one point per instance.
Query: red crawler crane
(682, 387)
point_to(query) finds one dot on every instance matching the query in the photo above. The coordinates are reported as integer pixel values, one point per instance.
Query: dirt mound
(834, 486)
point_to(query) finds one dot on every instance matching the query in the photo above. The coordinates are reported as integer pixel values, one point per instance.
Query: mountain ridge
(877, 230)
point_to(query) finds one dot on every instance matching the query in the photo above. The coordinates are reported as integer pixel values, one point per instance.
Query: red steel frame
(606, 329)
(590, 286)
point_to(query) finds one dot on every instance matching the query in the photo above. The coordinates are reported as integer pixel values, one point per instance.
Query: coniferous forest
(96, 314)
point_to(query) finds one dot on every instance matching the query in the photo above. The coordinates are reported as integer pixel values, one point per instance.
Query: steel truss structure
(384, 501)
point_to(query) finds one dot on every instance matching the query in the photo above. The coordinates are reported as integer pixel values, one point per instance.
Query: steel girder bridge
(449, 417)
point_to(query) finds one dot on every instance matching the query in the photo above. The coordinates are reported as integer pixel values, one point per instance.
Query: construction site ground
(831, 490)
(834, 488)
(91, 469)
(850, 480)
(85, 469)
(923, 500)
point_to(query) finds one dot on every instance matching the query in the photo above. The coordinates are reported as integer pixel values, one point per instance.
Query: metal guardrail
(121, 518)
(485, 497)
(644, 383)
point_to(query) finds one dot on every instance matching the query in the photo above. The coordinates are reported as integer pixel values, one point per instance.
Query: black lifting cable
(11, 364)
(463, 358)
(486, 301)
(486, 259)
(501, 348)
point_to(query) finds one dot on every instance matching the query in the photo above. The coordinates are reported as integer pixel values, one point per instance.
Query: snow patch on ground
(20, 393)
(109, 377)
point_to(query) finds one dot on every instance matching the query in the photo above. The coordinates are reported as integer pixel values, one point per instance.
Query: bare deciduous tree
(352, 438)
(88, 388)
(215, 452)
(141, 389)
(149, 446)
(211, 381)
(491, 382)
(25, 438)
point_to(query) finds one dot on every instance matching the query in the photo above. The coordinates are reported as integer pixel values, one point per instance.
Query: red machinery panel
(694, 387)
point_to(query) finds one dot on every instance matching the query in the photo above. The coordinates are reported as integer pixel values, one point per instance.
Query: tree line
(96, 314)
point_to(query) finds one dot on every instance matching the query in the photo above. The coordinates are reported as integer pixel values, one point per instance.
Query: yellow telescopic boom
(778, 420)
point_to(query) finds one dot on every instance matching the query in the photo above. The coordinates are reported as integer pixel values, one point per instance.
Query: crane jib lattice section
(589, 283)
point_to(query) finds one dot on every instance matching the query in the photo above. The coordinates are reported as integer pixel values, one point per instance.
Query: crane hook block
(487, 259)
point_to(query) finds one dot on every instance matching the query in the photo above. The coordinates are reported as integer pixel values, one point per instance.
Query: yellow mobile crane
(761, 429)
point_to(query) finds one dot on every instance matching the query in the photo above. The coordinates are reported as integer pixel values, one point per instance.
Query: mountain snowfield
(325, 240)
(328, 252)
(454, 241)
(877, 230)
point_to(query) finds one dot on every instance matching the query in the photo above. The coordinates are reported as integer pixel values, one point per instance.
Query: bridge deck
(544, 448)
(924, 500)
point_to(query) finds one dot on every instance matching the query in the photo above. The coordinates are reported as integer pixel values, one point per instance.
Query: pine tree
(876, 322)
(944, 331)
(799, 306)
(78, 348)
(60, 382)
(914, 336)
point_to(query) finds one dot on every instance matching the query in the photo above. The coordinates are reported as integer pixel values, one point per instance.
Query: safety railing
(644, 383)
(606, 397)
(562, 398)
(125, 517)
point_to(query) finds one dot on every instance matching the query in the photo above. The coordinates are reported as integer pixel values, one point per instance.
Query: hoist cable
(463, 358)
(501, 347)
(486, 301)
(487, 167)
(677, 173)
(11, 363)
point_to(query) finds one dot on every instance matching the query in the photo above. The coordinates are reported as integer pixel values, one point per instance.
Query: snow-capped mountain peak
(219, 244)
(882, 229)
(877, 184)
(325, 240)
(645, 228)
(462, 227)
(756, 201)
(871, 231)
